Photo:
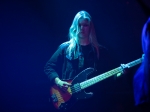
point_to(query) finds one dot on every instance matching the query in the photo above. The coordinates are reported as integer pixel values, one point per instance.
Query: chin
(81, 37)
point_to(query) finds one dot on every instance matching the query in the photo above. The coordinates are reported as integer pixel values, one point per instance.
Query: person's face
(84, 28)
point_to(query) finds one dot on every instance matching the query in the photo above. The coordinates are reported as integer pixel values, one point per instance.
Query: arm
(53, 66)
(53, 69)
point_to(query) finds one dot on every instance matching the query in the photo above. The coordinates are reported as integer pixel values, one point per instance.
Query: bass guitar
(63, 100)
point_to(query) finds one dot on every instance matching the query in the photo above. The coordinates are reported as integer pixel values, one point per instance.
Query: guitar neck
(105, 75)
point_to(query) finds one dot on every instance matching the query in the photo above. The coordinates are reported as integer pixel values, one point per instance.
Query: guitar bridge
(54, 98)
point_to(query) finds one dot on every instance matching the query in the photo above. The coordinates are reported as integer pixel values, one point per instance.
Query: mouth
(82, 32)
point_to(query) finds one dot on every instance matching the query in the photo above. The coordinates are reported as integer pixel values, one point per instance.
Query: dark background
(31, 30)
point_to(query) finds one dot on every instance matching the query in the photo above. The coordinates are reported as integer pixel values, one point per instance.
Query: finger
(65, 86)
(66, 83)
(119, 74)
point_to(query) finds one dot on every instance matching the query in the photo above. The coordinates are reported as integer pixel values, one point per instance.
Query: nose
(81, 27)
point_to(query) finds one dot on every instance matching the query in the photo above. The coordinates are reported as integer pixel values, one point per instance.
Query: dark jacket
(65, 67)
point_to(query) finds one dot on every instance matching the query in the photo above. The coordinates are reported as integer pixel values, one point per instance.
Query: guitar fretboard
(105, 75)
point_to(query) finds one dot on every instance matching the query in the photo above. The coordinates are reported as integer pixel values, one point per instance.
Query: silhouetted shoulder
(64, 45)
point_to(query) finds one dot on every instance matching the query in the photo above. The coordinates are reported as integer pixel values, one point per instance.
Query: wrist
(57, 80)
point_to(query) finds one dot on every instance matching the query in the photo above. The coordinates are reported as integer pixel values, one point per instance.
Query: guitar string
(74, 89)
(95, 79)
(110, 73)
(58, 95)
(77, 88)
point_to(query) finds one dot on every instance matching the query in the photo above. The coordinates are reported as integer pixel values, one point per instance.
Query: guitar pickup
(54, 98)
(76, 88)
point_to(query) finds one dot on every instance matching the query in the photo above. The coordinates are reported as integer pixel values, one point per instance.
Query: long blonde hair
(73, 47)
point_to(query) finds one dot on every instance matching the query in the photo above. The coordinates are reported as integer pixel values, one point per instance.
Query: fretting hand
(125, 68)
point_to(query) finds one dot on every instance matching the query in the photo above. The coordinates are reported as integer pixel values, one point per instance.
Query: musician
(141, 82)
(81, 51)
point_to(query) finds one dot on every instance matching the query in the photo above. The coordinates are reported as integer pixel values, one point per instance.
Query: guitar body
(63, 100)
